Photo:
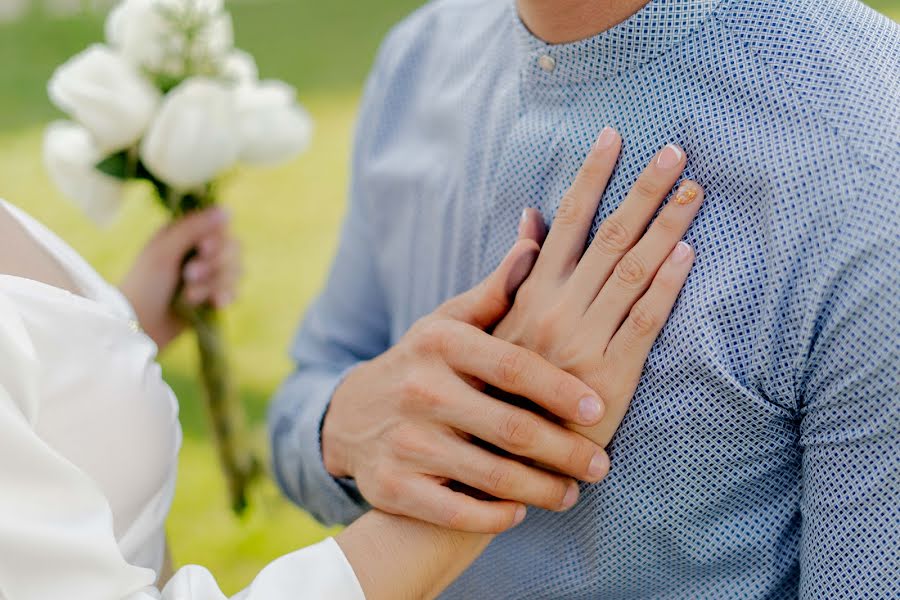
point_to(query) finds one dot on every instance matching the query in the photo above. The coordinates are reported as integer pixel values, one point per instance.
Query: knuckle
(404, 441)
(643, 319)
(593, 169)
(667, 223)
(631, 271)
(647, 188)
(454, 518)
(389, 485)
(498, 480)
(412, 389)
(569, 212)
(518, 430)
(510, 368)
(432, 337)
(612, 236)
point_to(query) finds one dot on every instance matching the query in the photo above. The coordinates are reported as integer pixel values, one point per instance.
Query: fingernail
(221, 214)
(571, 496)
(670, 157)
(681, 252)
(524, 218)
(606, 138)
(590, 410)
(193, 271)
(599, 466)
(687, 192)
(223, 299)
(520, 515)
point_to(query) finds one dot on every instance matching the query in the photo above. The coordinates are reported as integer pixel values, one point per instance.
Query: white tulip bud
(152, 35)
(70, 156)
(105, 94)
(240, 68)
(271, 126)
(193, 137)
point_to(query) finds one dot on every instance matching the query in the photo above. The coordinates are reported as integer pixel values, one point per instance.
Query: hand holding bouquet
(170, 101)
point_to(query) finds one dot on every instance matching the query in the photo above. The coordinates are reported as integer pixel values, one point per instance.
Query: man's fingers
(424, 498)
(632, 276)
(522, 433)
(488, 302)
(619, 232)
(632, 343)
(506, 478)
(520, 372)
(572, 222)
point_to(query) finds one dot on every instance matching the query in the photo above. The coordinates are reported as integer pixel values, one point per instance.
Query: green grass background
(287, 218)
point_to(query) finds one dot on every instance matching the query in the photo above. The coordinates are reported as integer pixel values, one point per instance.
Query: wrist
(335, 455)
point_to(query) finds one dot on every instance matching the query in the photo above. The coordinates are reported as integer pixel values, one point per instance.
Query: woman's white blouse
(89, 437)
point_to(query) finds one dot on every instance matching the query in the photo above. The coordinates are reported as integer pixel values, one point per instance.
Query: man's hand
(402, 424)
(597, 313)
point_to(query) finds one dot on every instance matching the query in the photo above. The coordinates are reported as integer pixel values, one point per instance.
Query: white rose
(70, 156)
(193, 137)
(240, 68)
(151, 34)
(271, 126)
(106, 95)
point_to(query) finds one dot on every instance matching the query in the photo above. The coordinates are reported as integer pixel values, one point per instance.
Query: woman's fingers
(634, 339)
(531, 226)
(213, 274)
(572, 222)
(524, 434)
(619, 232)
(634, 272)
(425, 499)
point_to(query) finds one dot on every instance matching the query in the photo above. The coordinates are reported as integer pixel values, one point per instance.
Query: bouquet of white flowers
(170, 101)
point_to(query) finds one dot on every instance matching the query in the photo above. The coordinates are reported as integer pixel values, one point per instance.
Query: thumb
(181, 236)
(489, 301)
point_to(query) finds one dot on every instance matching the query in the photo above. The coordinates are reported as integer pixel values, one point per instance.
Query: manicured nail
(520, 515)
(681, 252)
(520, 271)
(571, 496)
(223, 299)
(606, 138)
(687, 192)
(599, 466)
(670, 157)
(590, 410)
(193, 271)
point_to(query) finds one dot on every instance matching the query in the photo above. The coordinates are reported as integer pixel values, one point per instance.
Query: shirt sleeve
(56, 527)
(347, 324)
(850, 416)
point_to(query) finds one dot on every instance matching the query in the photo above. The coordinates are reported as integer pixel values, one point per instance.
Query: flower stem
(225, 411)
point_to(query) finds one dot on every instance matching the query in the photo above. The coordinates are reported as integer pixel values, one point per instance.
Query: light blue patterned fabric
(761, 455)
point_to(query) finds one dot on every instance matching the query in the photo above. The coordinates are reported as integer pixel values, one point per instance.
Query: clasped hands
(564, 328)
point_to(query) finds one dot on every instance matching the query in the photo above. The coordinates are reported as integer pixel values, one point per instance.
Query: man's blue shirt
(761, 455)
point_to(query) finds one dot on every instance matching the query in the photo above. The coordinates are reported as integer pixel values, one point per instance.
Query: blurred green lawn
(287, 219)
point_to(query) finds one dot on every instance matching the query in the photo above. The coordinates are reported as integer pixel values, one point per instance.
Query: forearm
(397, 558)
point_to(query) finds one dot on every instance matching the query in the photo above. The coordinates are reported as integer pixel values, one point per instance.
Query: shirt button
(547, 62)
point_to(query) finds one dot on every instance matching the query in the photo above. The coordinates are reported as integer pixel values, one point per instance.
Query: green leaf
(115, 165)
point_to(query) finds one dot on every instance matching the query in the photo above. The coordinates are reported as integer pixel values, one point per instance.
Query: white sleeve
(56, 527)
